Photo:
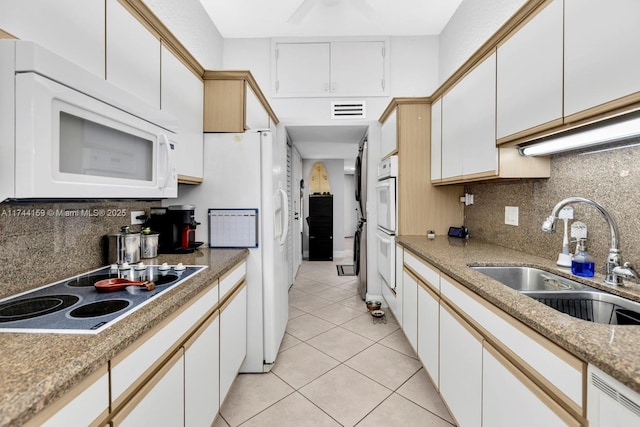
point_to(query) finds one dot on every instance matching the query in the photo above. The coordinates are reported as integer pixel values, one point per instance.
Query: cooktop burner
(74, 305)
(34, 307)
(99, 308)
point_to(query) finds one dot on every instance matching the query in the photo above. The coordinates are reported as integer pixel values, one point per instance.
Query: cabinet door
(302, 69)
(202, 375)
(469, 124)
(602, 40)
(389, 136)
(78, 36)
(160, 402)
(510, 398)
(479, 153)
(233, 338)
(453, 109)
(358, 68)
(428, 330)
(255, 115)
(183, 97)
(460, 368)
(410, 309)
(529, 87)
(436, 140)
(133, 55)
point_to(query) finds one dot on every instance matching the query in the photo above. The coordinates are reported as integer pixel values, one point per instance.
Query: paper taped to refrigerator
(233, 228)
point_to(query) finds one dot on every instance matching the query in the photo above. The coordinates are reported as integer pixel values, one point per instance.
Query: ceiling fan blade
(364, 8)
(302, 11)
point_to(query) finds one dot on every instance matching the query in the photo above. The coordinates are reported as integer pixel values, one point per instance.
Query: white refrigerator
(248, 171)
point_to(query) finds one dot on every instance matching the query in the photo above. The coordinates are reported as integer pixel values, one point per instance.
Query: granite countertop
(613, 348)
(37, 369)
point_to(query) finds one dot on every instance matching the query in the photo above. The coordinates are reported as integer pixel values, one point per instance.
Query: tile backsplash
(611, 178)
(45, 242)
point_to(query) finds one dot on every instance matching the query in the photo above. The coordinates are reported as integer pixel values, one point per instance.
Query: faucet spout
(614, 259)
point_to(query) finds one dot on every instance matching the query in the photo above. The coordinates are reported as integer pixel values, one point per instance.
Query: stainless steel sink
(567, 296)
(529, 279)
(592, 305)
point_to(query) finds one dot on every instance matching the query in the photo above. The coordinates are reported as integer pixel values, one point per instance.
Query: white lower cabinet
(510, 398)
(429, 330)
(410, 308)
(460, 368)
(202, 374)
(160, 402)
(180, 373)
(233, 338)
(491, 370)
(87, 404)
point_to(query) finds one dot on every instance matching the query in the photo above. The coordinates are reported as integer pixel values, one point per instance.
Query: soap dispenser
(582, 264)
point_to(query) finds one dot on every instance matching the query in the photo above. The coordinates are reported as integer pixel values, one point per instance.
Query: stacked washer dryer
(360, 237)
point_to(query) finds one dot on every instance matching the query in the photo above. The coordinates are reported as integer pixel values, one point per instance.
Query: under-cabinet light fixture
(607, 132)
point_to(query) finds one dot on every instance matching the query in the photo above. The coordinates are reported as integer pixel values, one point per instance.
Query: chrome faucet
(616, 271)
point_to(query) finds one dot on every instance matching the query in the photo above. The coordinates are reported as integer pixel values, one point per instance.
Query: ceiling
(323, 18)
(327, 142)
(328, 18)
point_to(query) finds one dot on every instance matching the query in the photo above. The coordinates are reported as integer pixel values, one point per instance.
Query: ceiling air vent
(349, 110)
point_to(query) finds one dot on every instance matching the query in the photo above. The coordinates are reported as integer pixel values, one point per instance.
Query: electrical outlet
(511, 215)
(135, 220)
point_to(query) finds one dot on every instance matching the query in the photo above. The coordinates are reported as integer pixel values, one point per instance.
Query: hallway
(336, 367)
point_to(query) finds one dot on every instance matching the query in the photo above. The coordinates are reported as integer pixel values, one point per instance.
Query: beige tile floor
(335, 366)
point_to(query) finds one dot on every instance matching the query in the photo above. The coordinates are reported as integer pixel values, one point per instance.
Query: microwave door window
(90, 148)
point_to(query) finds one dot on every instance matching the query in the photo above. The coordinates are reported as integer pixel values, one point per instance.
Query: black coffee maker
(177, 227)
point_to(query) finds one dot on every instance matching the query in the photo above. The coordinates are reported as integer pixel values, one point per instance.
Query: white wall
(472, 25)
(189, 22)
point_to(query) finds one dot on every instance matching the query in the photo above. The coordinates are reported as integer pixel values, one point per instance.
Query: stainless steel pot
(149, 244)
(123, 247)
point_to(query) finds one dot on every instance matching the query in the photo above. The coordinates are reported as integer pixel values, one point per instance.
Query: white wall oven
(66, 133)
(386, 189)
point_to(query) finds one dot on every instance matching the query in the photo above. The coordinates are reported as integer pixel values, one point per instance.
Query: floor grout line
(346, 304)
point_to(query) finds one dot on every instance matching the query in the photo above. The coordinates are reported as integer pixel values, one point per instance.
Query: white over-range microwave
(66, 133)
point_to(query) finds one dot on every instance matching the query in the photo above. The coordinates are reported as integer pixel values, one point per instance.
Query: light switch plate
(511, 215)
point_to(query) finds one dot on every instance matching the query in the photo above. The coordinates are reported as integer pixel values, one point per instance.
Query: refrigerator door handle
(285, 216)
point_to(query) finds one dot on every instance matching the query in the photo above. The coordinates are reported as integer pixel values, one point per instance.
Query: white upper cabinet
(302, 69)
(358, 68)
(133, 55)
(529, 74)
(182, 94)
(329, 68)
(50, 24)
(469, 124)
(256, 116)
(389, 132)
(436, 140)
(602, 41)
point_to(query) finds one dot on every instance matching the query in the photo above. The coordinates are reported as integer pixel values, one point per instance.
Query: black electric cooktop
(74, 305)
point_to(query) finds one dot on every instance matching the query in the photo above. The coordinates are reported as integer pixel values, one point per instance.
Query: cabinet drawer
(427, 274)
(87, 404)
(560, 372)
(231, 279)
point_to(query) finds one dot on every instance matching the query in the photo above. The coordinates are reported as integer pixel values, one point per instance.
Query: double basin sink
(566, 295)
